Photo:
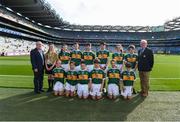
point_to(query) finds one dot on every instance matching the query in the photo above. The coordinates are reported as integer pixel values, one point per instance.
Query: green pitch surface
(18, 102)
(16, 72)
(22, 104)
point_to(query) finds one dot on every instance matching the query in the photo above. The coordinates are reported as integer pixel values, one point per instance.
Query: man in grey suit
(145, 65)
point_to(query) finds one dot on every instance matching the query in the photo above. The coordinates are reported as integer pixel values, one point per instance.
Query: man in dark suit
(145, 65)
(37, 61)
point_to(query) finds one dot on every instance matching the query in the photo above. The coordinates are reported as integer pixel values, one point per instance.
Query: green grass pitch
(16, 72)
(17, 101)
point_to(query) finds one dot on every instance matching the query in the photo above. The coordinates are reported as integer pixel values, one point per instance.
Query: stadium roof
(42, 13)
(37, 10)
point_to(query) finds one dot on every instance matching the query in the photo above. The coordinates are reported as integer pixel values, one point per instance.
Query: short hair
(119, 45)
(88, 44)
(82, 61)
(38, 42)
(96, 60)
(50, 43)
(76, 43)
(144, 40)
(131, 47)
(72, 62)
(103, 43)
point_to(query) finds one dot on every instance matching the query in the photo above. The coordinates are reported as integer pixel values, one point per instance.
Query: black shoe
(37, 92)
(41, 90)
(49, 90)
(134, 91)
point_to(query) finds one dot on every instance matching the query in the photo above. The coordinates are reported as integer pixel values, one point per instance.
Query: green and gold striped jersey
(71, 77)
(128, 78)
(118, 57)
(76, 57)
(131, 58)
(64, 57)
(59, 75)
(97, 76)
(113, 75)
(103, 56)
(83, 77)
(88, 57)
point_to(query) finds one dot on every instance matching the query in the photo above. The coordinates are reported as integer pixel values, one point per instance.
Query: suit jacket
(36, 59)
(145, 60)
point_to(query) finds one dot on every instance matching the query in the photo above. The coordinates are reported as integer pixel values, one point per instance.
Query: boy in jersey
(118, 56)
(132, 58)
(76, 56)
(103, 55)
(88, 57)
(59, 75)
(71, 80)
(83, 80)
(113, 75)
(97, 80)
(64, 56)
(128, 77)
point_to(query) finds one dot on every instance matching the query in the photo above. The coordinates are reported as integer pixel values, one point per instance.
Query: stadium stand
(33, 20)
(13, 47)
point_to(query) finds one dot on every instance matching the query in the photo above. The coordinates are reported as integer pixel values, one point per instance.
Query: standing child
(71, 80)
(83, 80)
(131, 57)
(59, 75)
(88, 57)
(113, 75)
(103, 55)
(76, 56)
(118, 56)
(64, 56)
(128, 77)
(97, 81)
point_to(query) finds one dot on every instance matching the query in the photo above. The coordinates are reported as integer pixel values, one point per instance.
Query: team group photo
(87, 73)
(90, 60)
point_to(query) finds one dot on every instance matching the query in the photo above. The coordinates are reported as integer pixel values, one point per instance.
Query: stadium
(24, 22)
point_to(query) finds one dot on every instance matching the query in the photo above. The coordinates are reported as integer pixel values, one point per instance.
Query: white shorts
(102, 65)
(95, 90)
(65, 67)
(70, 87)
(78, 68)
(83, 90)
(58, 86)
(113, 89)
(127, 91)
(90, 68)
(120, 67)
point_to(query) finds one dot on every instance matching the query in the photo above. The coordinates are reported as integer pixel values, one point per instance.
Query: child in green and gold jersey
(64, 56)
(119, 57)
(103, 55)
(128, 77)
(76, 56)
(88, 57)
(113, 75)
(83, 81)
(97, 79)
(71, 80)
(59, 76)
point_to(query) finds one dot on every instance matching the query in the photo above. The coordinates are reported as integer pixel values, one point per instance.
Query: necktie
(141, 51)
